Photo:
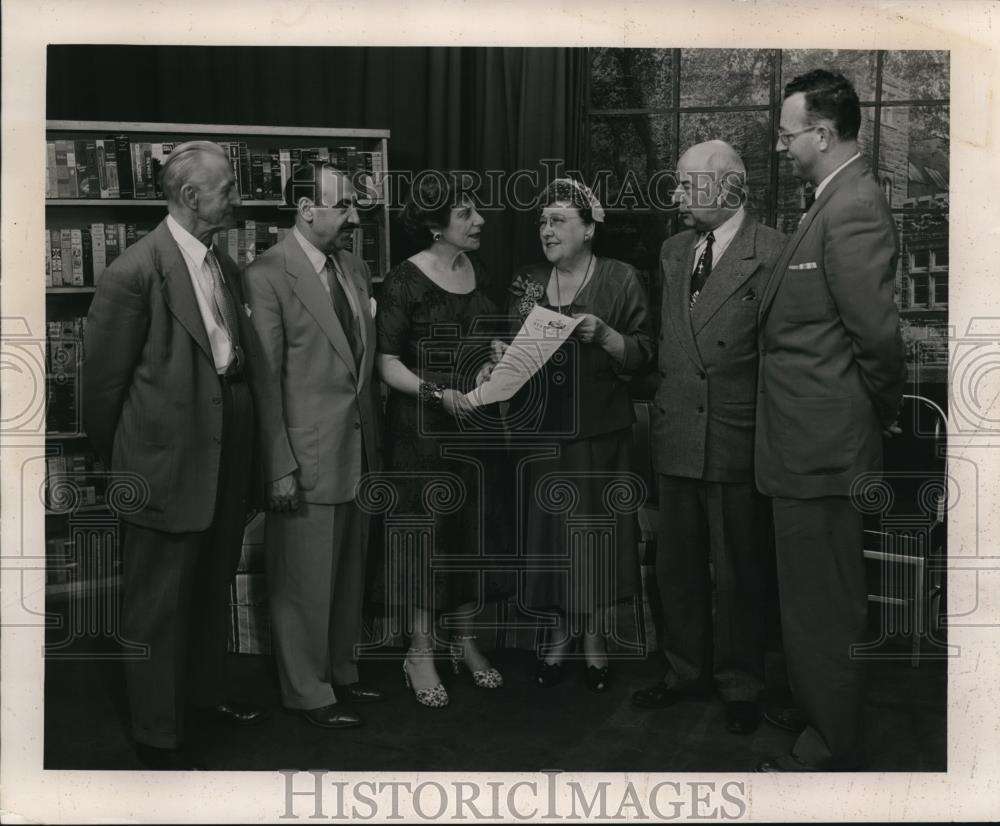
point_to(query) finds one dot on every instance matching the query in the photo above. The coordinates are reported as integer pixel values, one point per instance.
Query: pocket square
(750, 296)
(808, 265)
(374, 306)
(247, 310)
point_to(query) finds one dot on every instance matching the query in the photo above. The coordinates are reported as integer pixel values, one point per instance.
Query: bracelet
(430, 393)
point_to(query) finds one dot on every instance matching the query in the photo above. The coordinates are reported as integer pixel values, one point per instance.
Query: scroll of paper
(542, 333)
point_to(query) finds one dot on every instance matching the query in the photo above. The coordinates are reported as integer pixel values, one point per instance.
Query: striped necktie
(225, 314)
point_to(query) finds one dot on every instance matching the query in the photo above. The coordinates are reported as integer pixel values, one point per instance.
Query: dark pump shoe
(660, 695)
(742, 717)
(168, 760)
(238, 714)
(331, 717)
(598, 679)
(358, 693)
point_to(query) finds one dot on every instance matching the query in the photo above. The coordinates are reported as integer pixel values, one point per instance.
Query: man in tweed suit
(703, 428)
(169, 354)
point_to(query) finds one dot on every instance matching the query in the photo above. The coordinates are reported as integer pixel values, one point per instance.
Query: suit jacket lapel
(677, 291)
(355, 277)
(735, 266)
(848, 173)
(178, 291)
(305, 285)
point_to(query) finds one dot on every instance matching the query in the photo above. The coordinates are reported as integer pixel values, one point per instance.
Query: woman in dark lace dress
(581, 531)
(430, 304)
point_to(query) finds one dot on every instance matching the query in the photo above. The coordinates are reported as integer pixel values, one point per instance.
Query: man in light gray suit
(311, 307)
(703, 424)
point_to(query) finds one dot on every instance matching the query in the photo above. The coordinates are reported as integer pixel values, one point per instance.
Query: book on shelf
(86, 473)
(78, 256)
(120, 167)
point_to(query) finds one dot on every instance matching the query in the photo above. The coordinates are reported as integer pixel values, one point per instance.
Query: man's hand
(284, 494)
(892, 430)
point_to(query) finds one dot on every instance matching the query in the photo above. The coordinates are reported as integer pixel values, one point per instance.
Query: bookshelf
(102, 195)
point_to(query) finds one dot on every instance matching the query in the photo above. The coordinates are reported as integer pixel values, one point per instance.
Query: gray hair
(183, 163)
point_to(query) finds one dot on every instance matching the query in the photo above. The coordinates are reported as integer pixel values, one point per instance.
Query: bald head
(711, 185)
(712, 156)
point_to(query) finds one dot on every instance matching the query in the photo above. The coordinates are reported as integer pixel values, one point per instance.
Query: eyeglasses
(556, 221)
(786, 138)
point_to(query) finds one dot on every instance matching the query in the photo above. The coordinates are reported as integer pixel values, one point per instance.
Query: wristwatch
(431, 393)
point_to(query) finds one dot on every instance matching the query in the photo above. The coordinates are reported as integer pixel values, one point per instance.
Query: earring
(436, 236)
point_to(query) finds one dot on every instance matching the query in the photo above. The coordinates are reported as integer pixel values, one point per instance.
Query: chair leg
(919, 611)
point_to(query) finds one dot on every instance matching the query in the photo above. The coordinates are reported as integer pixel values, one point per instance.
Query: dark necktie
(225, 313)
(342, 307)
(703, 269)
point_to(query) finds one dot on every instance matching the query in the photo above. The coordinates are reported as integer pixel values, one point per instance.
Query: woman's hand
(591, 329)
(484, 373)
(455, 404)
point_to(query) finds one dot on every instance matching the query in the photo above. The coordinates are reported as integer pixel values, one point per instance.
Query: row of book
(120, 167)
(69, 562)
(64, 352)
(78, 256)
(83, 473)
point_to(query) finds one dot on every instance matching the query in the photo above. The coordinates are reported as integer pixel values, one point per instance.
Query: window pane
(913, 152)
(628, 150)
(727, 77)
(941, 257)
(790, 192)
(940, 290)
(856, 66)
(919, 233)
(748, 132)
(631, 78)
(635, 239)
(915, 75)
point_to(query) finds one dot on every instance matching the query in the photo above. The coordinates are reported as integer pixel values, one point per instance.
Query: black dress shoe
(331, 717)
(159, 759)
(660, 695)
(784, 763)
(239, 714)
(742, 717)
(358, 693)
(549, 674)
(787, 718)
(598, 679)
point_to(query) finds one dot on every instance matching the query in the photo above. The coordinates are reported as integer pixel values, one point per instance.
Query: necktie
(342, 307)
(808, 199)
(703, 269)
(222, 302)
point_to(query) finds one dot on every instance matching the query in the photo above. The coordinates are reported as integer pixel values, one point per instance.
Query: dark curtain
(448, 108)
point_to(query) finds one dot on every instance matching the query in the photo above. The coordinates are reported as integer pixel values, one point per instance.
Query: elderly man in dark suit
(169, 352)
(831, 378)
(703, 422)
(312, 307)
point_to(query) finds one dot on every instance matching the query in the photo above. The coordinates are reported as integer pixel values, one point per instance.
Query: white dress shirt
(318, 259)
(724, 235)
(828, 178)
(194, 252)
